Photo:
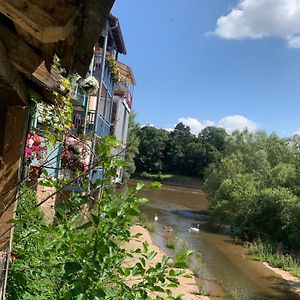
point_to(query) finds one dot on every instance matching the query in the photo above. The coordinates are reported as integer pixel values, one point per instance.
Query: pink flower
(28, 152)
(36, 139)
(35, 148)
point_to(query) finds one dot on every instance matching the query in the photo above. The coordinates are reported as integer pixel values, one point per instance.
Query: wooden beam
(77, 51)
(48, 26)
(12, 87)
(28, 62)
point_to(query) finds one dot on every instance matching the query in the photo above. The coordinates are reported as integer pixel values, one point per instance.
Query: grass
(170, 243)
(268, 253)
(201, 290)
(162, 177)
(144, 221)
(197, 265)
(186, 258)
(234, 293)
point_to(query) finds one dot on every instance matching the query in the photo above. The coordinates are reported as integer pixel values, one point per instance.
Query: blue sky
(211, 62)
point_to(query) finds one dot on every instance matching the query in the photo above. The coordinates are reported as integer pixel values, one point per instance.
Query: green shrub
(80, 255)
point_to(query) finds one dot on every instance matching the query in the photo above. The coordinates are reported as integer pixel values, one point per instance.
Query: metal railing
(79, 122)
(108, 77)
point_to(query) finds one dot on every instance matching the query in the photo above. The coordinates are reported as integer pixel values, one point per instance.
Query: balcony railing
(120, 88)
(79, 122)
(108, 77)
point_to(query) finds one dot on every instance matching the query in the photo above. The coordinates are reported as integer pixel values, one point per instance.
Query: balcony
(108, 77)
(120, 88)
(79, 122)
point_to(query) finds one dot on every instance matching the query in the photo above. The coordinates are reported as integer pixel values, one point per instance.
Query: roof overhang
(117, 34)
(33, 32)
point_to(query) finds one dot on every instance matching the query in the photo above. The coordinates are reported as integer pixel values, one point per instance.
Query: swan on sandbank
(155, 218)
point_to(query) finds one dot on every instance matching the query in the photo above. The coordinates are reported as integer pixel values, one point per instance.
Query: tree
(214, 136)
(176, 148)
(132, 146)
(151, 149)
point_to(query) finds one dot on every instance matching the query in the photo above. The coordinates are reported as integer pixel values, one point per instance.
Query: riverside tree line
(252, 179)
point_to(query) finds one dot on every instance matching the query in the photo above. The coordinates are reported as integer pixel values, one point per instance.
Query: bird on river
(168, 228)
(155, 218)
(194, 229)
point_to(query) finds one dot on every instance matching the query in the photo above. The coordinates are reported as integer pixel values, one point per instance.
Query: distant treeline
(252, 179)
(179, 151)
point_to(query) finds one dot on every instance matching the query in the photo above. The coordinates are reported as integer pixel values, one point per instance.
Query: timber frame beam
(12, 86)
(41, 19)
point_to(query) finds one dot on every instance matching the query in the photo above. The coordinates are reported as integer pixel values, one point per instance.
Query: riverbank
(292, 281)
(172, 179)
(284, 265)
(187, 287)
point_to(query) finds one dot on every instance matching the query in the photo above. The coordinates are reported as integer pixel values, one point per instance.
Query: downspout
(93, 146)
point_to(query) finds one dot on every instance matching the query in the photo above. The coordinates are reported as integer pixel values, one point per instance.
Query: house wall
(13, 136)
(121, 120)
(12, 153)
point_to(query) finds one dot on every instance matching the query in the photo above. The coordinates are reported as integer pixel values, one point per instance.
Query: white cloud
(169, 129)
(229, 123)
(195, 125)
(297, 132)
(262, 18)
(236, 122)
(148, 125)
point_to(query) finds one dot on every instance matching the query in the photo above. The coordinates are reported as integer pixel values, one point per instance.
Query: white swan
(155, 218)
(194, 229)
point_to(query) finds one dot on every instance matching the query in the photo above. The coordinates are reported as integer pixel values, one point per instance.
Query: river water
(227, 265)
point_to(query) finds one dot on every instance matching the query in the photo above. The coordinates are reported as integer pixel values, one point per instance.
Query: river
(227, 265)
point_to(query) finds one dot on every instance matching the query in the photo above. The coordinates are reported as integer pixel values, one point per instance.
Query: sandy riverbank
(187, 287)
(292, 281)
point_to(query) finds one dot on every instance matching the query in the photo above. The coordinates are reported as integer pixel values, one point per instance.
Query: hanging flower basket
(89, 85)
(75, 155)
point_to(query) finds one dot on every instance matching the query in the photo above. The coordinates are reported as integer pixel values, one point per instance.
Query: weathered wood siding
(11, 154)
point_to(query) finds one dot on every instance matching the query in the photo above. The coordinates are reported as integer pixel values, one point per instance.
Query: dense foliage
(82, 255)
(179, 151)
(132, 146)
(255, 186)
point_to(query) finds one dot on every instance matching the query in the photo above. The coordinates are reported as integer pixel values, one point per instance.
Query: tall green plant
(132, 146)
(82, 254)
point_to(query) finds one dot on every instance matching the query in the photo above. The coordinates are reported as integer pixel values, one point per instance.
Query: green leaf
(139, 186)
(45, 172)
(155, 185)
(146, 247)
(85, 184)
(82, 297)
(137, 235)
(152, 255)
